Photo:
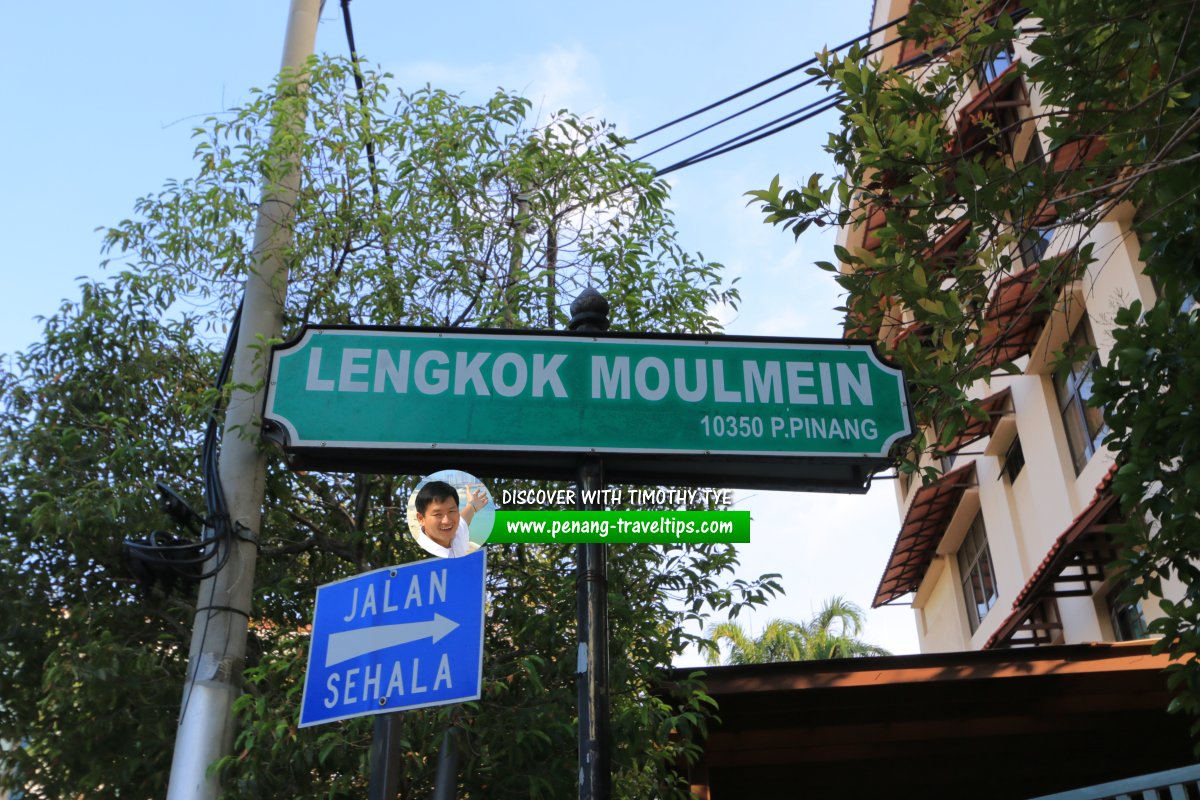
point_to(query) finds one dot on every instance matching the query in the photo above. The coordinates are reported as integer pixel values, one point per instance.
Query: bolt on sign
(749, 412)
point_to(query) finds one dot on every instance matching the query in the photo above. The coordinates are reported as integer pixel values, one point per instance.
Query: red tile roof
(1013, 322)
(970, 135)
(995, 406)
(1061, 555)
(948, 243)
(922, 530)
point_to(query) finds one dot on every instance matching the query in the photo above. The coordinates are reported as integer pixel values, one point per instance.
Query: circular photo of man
(451, 513)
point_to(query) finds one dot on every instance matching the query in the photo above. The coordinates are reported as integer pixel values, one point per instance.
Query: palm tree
(832, 633)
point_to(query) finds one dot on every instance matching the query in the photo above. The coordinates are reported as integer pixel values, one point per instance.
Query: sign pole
(447, 768)
(385, 767)
(590, 314)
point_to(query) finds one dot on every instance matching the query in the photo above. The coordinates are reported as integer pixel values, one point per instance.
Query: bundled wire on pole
(164, 555)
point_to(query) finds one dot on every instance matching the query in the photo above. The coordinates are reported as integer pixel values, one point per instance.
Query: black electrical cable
(734, 143)
(217, 514)
(214, 493)
(820, 106)
(730, 145)
(802, 65)
(358, 83)
(732, 116)
(761, 103)
(154, 546)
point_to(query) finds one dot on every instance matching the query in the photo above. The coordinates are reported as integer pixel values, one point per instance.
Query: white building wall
(942, 616)
(1003, 542)
(1024, 518)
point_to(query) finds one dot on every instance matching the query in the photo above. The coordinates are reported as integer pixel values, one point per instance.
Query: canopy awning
(998, 723)
(922, 530)
(995, 406)
(972, 135)
(1014, 319)
(1074, 563)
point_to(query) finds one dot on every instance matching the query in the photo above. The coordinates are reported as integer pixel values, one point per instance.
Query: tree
(1121, 84)
(832, 633)
(415, 208)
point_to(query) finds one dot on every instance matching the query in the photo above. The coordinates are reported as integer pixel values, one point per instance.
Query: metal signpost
(589, 314)
(748, 412)
(397, 638)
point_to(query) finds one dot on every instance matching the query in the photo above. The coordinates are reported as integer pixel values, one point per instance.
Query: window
(1189, 301)
(1034, 244)
(1035, 157)
(1010, 99)
(993, 119)
(1014, 460)
(1037, 230)
(1128, 622)
(994, 64)
(1084, 423)
(978, 573)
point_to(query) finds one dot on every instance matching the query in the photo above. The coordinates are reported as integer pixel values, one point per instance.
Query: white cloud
(567, 77)
(724, 313)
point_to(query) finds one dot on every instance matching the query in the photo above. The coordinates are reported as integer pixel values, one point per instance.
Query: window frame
(1014, 460)
(995, 63)
(1083, 424)
(977, 574)
(1034, 243)
(1126, 627)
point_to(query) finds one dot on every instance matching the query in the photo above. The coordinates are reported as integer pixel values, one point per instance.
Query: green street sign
(718, 411)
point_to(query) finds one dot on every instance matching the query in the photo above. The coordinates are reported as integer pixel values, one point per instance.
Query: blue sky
(101, 100)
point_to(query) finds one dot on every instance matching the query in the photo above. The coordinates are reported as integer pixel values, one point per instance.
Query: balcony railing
(1174, 784)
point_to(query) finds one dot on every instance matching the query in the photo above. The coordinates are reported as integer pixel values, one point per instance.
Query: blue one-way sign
(397, 638)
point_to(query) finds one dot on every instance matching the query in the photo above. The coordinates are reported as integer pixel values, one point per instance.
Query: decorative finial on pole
(589, 312)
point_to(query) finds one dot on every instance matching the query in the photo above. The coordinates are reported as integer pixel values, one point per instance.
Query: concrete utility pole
(206, 728)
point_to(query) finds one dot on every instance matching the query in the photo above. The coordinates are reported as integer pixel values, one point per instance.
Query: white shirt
(460, 545)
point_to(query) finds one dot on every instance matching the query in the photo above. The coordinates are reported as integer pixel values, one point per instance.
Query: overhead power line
(802, 65)
(732, 116)
(729, 145)
(822, 105)
(801, 114)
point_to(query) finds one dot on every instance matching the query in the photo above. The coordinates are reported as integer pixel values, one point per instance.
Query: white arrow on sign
(351, 644)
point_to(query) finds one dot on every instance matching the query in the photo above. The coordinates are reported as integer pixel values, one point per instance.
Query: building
(1010, 546)
(1036, 677)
